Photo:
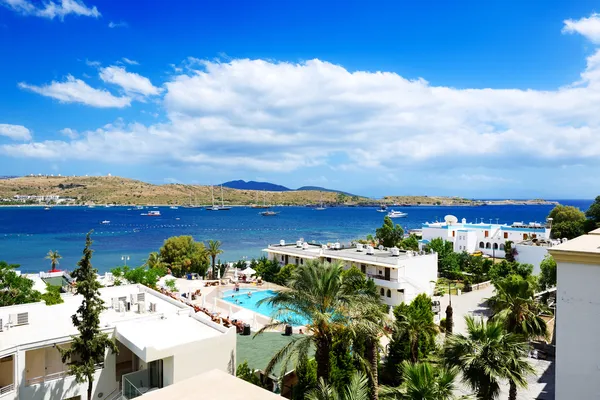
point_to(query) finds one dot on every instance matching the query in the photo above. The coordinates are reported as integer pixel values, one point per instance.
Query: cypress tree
(87, 349)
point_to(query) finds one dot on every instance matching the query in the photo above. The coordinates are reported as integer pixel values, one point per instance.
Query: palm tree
(423, 381)
(487, 355)
(213, 250)
(416, 325)
(514, 305)
(316, 293)
(358, 389)
(154, 260)
(53, 256)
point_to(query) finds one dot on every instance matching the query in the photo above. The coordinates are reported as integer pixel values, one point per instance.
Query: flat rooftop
(47, 323)
(589, 244)
(383, 257)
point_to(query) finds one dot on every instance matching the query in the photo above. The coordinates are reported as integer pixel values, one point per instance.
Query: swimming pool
(251, 303)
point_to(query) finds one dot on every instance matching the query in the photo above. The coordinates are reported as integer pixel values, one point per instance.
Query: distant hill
(321, 189)
(253, 185)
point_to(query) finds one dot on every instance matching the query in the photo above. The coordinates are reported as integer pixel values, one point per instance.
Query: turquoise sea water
(250, 302)
(27, 233)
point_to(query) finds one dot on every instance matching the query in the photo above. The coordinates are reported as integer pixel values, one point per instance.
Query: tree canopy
(182, 254)
(593, 215)
(14, 288)
(567, 222)
(389, 235)
(547, 277)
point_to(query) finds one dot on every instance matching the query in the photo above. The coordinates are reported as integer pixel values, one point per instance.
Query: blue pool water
(27, 233)
(251, 303)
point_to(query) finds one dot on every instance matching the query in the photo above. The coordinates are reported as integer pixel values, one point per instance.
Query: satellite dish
(450, 219)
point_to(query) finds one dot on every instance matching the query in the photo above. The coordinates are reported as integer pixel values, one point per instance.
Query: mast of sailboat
(212, 193)
(222, 202)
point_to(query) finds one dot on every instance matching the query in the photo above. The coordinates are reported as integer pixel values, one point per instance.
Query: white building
(399, 275)
(161, 341)
(484, 237)
(577, 305)
(534, 251)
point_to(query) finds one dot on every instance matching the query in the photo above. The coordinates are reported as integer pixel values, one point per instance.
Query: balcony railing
(382, 277)
(7, 389)
(46, 378)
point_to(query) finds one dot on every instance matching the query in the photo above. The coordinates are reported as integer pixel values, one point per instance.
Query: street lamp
(125, 259)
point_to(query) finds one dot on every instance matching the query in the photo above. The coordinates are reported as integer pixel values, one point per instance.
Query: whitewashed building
(577, 305)
(485, 237)
(533, 252)
(161, 341)
(399, 275)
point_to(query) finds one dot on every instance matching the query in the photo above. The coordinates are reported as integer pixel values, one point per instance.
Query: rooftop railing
(7, 389)
(46, 378)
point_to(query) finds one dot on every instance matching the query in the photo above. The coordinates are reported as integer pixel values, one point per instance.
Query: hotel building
(399, 275)
(161, 342)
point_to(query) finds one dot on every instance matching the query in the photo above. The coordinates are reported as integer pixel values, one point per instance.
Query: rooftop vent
(360, 247)
(152, 307)
(337, 245)
(19, 319)
(298, 243)
(304, 246)
(282, 242)
(395, 251)
(370, 250)
(142, 307)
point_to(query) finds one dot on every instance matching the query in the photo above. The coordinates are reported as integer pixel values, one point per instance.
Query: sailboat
(217, 207)
(321, 206)
(192, 205)
(264, 204)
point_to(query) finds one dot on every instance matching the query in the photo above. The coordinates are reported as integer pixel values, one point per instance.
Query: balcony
(46, 378)
(382, 277)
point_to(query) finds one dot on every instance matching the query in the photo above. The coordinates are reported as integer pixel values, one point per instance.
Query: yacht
(269, 213)
(47, 208)
(151, 214)
(217, 207)
(105, 222)
(382, 209)
(263, 205)
(174, 208)
(321, 206)
(397, 214)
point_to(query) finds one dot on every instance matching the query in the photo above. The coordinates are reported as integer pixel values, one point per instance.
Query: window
(7, 382)
(453, 233)
(328, 259)
(488, 245)
(495, 246)
(501, 246)
(534, 235)
(382, 292)
(389, 293)
(301, 261)
(481, 245)
(505, 235)
(281, 258)
(487, 233)
(363, 268)
(524, 236)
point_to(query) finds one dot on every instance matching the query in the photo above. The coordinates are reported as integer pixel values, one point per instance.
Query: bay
(27, 233)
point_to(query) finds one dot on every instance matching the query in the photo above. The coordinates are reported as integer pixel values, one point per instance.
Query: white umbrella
(243, 315)
(249, 272)
(235, 274)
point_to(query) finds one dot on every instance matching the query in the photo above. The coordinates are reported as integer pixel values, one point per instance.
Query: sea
(28, 233)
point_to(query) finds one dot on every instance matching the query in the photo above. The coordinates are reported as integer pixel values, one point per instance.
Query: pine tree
(87, 349)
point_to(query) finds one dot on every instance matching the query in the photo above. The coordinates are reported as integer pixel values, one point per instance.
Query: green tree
(417, 323)
(487, 355)
(182, 254)
(284, 274)
(358, 389)
(567, 222)
(14, 288)
(501, 270)
(213, 250)
(266, 269)
(447, 259)
(154, 261)
(53, 256)
(513, 304)
(341, 198)
(355, 280)
(52, 295)
(509, 251)
(88, 349)
(423, 381)
(306, 371)
(547, 273)
(248, 374)
(593, 215)
(316, 293)
(389, 234)
(171, 285)
(410, 243)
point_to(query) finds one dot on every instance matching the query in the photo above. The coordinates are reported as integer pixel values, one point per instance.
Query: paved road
(471, 303)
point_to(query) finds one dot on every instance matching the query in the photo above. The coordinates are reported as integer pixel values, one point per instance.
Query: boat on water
(383, 208)
(269, 213)
(91, 206)
(321, 206)
(174, 208)
(217, 207)
(105, 222)
(139, 207)
(47, 208)
(151, 214)
(397, 214)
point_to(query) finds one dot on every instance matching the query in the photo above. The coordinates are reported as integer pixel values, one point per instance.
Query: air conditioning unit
(141, 297)
(2, 319)
(152, 307)
(359, 247)
(19, 319)
(133, 299)
(282, 242)
(395, 251)
(337, 245)
(142, 307)
(370, 250)
(122, 306)
(299, 243)
(304, 246)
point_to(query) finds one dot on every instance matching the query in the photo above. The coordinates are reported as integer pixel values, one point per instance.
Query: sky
(481, 99)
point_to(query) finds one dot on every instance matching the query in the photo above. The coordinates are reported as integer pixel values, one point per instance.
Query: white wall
(577, 327)
(533, 255)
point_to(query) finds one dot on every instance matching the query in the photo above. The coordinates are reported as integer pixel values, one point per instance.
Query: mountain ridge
(273, 187)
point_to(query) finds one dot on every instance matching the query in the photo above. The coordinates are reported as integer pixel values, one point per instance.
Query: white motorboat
(174, 208)
(151, 214)
(105, 222)
(382, 209)
(397, 214)
(269, 213)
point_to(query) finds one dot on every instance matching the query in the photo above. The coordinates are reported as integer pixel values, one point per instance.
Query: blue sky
(479, 99)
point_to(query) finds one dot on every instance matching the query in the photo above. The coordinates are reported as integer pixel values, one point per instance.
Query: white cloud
(120, 24)
(91, 63)
(130, 62)
(588, 27)
(131, 82)
(77, 91)
(258, 115)
(15, 132)
(52, 8)
(70, 133)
